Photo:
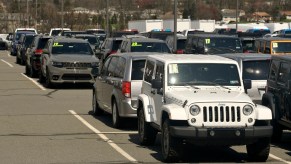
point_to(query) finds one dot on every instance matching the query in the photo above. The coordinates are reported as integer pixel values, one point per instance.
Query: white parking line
(8, 54)
(279, 159)
(10, 65)
(106, 139)
(34, 81)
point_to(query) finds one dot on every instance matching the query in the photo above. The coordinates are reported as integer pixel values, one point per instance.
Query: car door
(282, 90)
(100, 80)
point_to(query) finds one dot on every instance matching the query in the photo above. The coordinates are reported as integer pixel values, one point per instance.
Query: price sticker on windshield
(275, 45)
(135, 44)
(207, 41)
(56, 44)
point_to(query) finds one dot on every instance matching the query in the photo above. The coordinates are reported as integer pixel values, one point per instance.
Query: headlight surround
(194, 110)
(247, 110)
(57, 64)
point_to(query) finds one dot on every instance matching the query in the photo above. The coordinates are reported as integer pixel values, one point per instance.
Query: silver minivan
(117, 86)
(254, 67)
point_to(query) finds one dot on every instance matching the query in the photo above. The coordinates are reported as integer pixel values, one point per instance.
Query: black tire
(95, 106)
(259, 151)
(17, 60)
(277, 128)
(169, 144)
(48, 82)
(27, 70)
(32, 71)
(146, 133)
(116, 120)
(41, 78)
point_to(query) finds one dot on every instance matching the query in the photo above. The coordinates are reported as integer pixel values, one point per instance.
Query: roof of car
(190, 58)
(135, 55)
(212, 35)
(274, 38)
(247, 56)
(85, 35)
(145, 40)
(282, 57)
(65, 39)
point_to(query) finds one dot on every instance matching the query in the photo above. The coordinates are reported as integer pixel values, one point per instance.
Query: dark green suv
(278, 94)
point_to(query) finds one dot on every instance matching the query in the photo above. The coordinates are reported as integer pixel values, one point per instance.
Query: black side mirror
(157, 84)
(247, 84)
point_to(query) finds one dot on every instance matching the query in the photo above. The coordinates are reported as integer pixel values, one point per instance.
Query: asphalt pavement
(40, 125)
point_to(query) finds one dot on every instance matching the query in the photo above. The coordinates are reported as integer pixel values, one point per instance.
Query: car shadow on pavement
(284, 143)
(69, 86)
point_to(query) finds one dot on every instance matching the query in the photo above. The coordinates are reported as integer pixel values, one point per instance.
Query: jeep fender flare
(143, 103)
(268, 99)
(174, 112)
(263, 113)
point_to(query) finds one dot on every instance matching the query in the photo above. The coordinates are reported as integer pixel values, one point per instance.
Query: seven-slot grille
(70, 65)
(221, 114)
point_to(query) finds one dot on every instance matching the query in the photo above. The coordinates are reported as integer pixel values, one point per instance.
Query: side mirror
(95, 72)
(156, 84)
(247, 84)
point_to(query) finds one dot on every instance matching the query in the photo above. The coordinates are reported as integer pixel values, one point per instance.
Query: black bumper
(222, 136)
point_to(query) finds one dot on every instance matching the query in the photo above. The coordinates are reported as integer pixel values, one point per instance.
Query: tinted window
(119, 71)
(116, 44)
(281, 47)
(42, 42)
(28, 40)
(181, 43)
(256, 70)
(137, 69)
(149, 70)
(71, 48)
(149, 47)
(180, 74)
(112, 66)
(55, 32)
(248, 45)
(104, 70)
(91, 40)
(229, 43)
(274, 70)
(283, 73)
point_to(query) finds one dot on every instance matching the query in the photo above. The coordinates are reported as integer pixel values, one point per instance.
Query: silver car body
(258, 85)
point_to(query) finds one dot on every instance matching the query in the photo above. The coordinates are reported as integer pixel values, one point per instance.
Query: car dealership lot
(40, 125)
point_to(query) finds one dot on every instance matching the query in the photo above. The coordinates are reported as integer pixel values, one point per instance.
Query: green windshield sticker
(56, 44)
(275, 45)
(135, 44)
(207, 41)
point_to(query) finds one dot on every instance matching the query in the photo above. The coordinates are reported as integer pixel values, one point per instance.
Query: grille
(76, 77)
(221, 114)
(70, 65)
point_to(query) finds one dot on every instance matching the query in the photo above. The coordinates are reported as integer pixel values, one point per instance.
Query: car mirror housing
(157, 83)
(247, 84)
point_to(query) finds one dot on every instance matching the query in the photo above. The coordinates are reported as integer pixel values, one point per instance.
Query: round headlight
(247, 110)
(194, 110)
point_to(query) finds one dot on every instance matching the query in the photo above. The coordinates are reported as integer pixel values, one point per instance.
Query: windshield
(91, 40)
(281, 47)
(180, 74)
(71, 48)
(256, 70)
(223, 43)
(149, 47)
(28, 40)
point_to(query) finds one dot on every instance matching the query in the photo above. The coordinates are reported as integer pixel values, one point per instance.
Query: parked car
(181, 43)
(141, 44)
(57, 31)
(16, 37)
(33, 55)
(273, 45)
(254, 67)
(67, 60)
(278, 94)
(108, 47)
(117, 86)
(24, 42)
(200, 100)
(212, 44)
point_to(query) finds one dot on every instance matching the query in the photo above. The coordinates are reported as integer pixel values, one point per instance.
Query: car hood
(74, 58)
(212, 95)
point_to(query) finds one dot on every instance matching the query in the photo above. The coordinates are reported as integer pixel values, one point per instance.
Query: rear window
(137, 69)
(256, 70)
(42, 42)
(116, 44)
(181, 43)
(28, 40)
(149, 47)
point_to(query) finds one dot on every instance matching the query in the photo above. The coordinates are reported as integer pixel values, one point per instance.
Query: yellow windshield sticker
(173, 68)
(275, 45)
(56, 44)
(207, 41)
(135, 44)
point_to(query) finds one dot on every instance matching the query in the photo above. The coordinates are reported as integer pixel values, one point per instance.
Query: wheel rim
(114, 113)
(141, 125)
(166, 141)
(94, 103)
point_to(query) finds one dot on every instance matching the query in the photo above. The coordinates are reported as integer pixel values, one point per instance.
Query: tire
(169, 144)
(116, 120)
(17, 60)
(41, 78)
(27, 70)
(95, 106)
(277, 128)
(259, 151)
(48, 82)
(147, 134)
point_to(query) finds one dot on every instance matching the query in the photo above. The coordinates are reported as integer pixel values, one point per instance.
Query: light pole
(107, 20)
(175, 26)
(62, 15)
(236, 15)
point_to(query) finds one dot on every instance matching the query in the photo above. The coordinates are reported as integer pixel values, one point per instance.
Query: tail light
(38, 52)
(179, 52)
(112, 52)
(126, 89)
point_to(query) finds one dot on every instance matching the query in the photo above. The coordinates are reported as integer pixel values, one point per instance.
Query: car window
(116, 44)
(42, 42)
(149, 70)
(28, 40)
(112, 66)
(283, 75)
(274, 70)
(120, 67)
(104, 70)
(181, 43)
(281, 47)
(137, 69)
(149, 47)
(232, 43)
(71, 48)
(256, 70)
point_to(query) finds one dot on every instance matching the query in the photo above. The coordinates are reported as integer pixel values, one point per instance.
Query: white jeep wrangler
(200, 99)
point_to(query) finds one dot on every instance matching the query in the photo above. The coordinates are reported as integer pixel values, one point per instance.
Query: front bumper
(222, 136)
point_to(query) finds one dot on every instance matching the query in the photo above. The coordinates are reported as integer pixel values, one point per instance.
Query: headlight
(194, 110)
(95, 64)
(247, 110)
(57, 64)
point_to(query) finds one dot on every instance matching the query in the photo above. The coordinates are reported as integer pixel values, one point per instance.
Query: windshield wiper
(191, 84)
(212, 83)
